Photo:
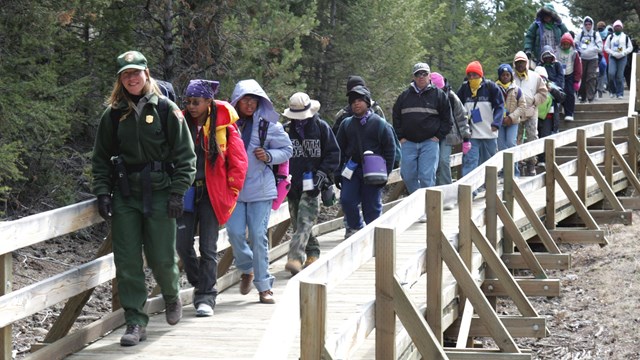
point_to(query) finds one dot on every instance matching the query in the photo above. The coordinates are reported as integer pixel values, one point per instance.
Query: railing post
(313, 317)
(581, 143)
(6, 276)
(550, 183)
(632, 138)
(385, 253)
(491, 217)
(509, 174)
(465, 243)
(608, 153)
(434, 262)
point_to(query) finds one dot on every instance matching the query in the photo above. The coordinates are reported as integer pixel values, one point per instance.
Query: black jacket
(418, 116)
(317, 151)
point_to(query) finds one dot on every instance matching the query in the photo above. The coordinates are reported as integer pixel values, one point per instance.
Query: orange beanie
(474, 67)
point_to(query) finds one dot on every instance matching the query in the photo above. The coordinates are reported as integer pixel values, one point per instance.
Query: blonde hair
(118, 93)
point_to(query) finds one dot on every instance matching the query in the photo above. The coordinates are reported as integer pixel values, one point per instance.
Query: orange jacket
(225, 177)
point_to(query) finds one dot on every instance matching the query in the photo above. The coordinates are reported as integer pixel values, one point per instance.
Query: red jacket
(226, 177)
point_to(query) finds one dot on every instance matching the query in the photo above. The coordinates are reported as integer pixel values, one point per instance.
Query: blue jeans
(507, 138)
(616, 75)
(201, 274)
(443, 174)
(255, 217)
(481, 151)
(355, 192)
(419, 164)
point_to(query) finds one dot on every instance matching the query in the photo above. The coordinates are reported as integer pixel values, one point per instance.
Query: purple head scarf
(202, 88)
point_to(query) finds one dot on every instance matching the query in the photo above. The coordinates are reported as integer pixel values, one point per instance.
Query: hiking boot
(204, 310)
(173, 312)
(266, 297)
(293, 266)
(310, 260)
(133, 335)
(245, 283)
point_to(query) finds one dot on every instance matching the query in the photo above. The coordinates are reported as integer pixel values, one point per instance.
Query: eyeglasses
(249, 100)
(421, 74)
(195, 103)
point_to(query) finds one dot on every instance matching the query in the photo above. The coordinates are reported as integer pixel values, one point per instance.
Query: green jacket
(141, 140)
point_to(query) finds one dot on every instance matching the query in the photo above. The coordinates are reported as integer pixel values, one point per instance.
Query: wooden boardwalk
(234, 332)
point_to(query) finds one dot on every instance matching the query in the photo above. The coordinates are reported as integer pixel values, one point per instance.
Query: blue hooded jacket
(260, 184)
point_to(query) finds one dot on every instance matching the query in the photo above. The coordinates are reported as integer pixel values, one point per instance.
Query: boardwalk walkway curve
(469, 262)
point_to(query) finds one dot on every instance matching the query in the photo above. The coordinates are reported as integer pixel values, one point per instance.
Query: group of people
(164, 174)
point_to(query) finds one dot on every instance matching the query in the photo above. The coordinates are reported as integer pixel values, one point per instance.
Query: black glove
(338, 181)
(320, 180)
(104, 206)
(175, 205)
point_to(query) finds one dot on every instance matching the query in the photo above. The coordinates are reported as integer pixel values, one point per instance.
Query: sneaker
(133, 335)
(310, 260)
(542, 164)
(568, 118)
(245, 283)
(293, 266)
(612, 95)
(173, 312)
(266, 297)
(423, 218)
(619, 97)
(450, 206)
(204, 310)
(349, 232)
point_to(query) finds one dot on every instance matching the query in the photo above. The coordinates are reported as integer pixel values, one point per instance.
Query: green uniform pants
(132, 234)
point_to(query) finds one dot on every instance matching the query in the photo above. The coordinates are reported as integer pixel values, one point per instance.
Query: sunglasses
(421, 74)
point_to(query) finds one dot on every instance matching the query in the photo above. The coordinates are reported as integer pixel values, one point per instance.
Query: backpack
(167, 90)
(398, 154)
(280, 171)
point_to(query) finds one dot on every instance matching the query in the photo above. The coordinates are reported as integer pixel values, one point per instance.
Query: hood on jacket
(548, 9)
(566, 37)
(588, 19)
(546, 52)
(265, 106)
(520, 56)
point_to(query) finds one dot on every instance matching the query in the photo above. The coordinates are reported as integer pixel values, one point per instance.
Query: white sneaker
(423, 218)
(568, 118)
(542, 164)
(204, 310)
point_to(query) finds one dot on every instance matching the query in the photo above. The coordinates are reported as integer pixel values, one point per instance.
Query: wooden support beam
(512, 229)
(485, 354)
(630, 203)
(385, 259)
(612, 216)
(634, 144)
(518, 327)
(488, 315)
(578, 236)
(574, 199)
(604, 185)
(550, 184)
(581, 171)
(313, 320)
(465, 244)
(628, 171)
(427, 342)
(465, 325)
(530, 287)
(609, 147)
(547, 261)
(536, 223)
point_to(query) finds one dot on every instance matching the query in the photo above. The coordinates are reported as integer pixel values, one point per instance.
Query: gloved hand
(320, 180)
(576, 86)
(104, 206)
(338, 180)
(466, 146)
(175, 205)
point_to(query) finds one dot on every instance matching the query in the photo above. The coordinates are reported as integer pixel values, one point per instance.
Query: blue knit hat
(504, 67)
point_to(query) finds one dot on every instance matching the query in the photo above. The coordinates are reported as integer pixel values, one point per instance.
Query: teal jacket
(536, 30)
(141, 140)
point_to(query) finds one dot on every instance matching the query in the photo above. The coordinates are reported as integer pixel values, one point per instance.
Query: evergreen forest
(58, 63)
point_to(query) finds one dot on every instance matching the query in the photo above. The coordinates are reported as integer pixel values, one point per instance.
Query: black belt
(153, 166)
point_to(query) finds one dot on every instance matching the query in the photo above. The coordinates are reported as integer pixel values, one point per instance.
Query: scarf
(522, 74)
(364, 118)
(474, 85)
(504, 86)
(299, 125)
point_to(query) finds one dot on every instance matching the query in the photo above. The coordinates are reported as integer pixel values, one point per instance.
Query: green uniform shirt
(141, 140)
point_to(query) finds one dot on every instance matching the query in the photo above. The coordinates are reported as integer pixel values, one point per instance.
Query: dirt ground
(597, 315)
